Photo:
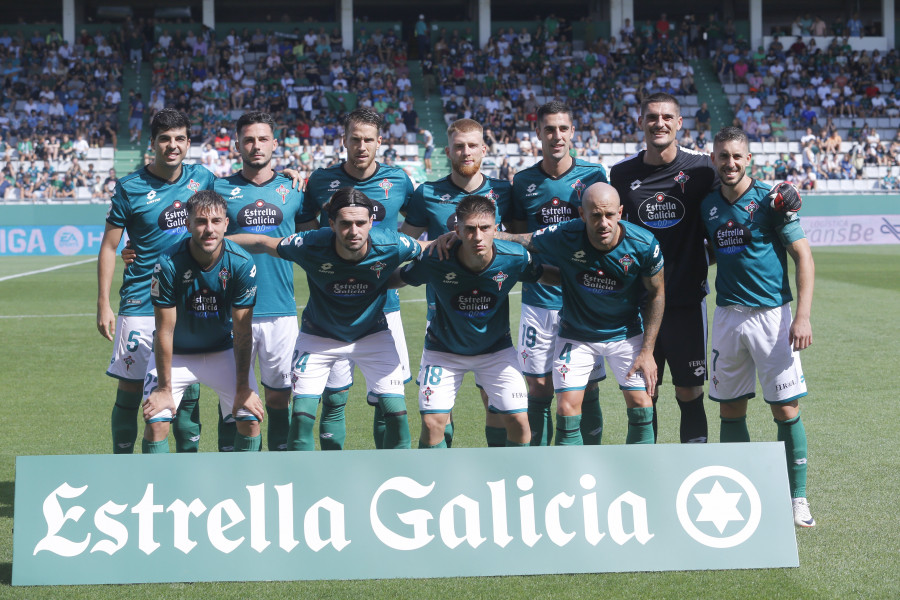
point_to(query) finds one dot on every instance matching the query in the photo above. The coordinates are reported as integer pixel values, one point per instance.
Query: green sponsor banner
(383, 514)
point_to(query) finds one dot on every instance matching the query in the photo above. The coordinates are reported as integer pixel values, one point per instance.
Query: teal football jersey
(346, 300)
(472, 309)
(152, 212)
(203, 298)
(749, 239)
(541, 200)
(389, 188)
(601, 291)
(267, 209)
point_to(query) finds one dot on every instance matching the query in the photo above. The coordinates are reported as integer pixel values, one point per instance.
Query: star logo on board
(500, 278)
(718, 506)
(681, 179)
(283, 192)
(378, 267)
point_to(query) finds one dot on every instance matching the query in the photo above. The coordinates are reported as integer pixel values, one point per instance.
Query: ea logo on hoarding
(719, 505)
(68, 240)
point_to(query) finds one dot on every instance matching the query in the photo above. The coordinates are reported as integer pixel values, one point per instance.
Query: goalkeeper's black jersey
(666, 200)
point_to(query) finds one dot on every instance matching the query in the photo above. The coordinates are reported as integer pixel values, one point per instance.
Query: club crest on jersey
(500, 278)
(193, 185)
(524, 354)
(578, 186)
(626, 261)
(492, 195)
(128, 362)
(563, 369)
(681, 179)
(283, 192)
(752, 207)
(224, 276)
(386, 186)
(378, 267)
(427, 392)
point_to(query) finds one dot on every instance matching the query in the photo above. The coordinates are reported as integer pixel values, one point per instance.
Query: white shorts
(497, 374)
(214, 369)
(374, 354)
(746, 340)
(574, 361)
(132, 348)
(274, 339)
(538, 328)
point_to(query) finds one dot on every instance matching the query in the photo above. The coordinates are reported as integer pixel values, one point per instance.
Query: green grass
(54, 399)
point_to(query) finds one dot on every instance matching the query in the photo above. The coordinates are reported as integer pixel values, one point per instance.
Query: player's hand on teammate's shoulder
(249, 400)
(442, 244)
(158, 401)
(784, 197)
(129, 254)
(800, 334)
(296, 178)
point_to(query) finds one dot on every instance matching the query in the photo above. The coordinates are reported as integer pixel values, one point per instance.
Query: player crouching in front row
(202, 288)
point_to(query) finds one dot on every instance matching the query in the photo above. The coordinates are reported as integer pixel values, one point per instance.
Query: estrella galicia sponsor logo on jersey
(660, 211)
(378, 211)
(173, 219)
(259, 217)
(350, 288)
(555, 211)
(598, 282)
(474, 303)
(732, 237)
(203, 304)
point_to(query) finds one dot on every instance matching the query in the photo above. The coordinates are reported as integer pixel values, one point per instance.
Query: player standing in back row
(546, 194)
(753, 229)
(661, 189)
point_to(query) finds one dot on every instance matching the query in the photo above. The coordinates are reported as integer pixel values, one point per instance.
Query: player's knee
(785, 412)
(130, 387)
(156, 431)
(688, 394)
(733, 410)
(248, 428)
(278, 399)
(539, 387)
(637, 399)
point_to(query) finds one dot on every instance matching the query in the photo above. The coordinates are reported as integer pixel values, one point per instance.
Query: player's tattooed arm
(800, 334)
(653, 314)
(519, 238)
(244, 396)
(256, 244)
(106, 266)
(161, 398)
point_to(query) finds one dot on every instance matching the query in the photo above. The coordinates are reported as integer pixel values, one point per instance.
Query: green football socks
(303, 422)
(448, 432)
(540, 419)
(332, 426)
(591, 418)
(396, 424)
(244, 443)
(279, 424)
(186, 425)
(568, 430)
(378, 427)
(793, 434)
(423, 445)
(495, 436)
(640, 425)
(123, 421)
(160, 447)
(226, 432)
(734, 430)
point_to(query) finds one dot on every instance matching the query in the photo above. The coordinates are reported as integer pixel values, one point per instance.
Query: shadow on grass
(7, 494)
(6, 573)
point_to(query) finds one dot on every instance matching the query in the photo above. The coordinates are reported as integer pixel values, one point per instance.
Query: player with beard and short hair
(661, 189)
(390, 190)
(432, 209)
(546, 194)
(752, 229)
(347, 269)
(469, 330)
(203, 290)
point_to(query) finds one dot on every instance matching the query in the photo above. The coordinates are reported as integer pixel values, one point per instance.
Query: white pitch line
(80, 262)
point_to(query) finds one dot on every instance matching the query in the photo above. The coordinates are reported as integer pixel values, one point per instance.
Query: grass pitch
(55, 399)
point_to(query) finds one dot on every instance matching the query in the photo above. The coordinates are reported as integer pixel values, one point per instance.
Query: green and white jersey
(433, 204)
(153, 214)
(472, 312)
(542, 200)
(346, 299)
(268, 209)
(749, 239)
(389, 188)
(203, 298)
(601, 291)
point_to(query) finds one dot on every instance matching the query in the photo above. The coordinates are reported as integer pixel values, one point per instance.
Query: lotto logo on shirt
(351, 288)
(732, 237)
(204, 304)
(661, 211)
(259, 217)
(555, 211)
(598, 282)
(474, 303)
(173, 219)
